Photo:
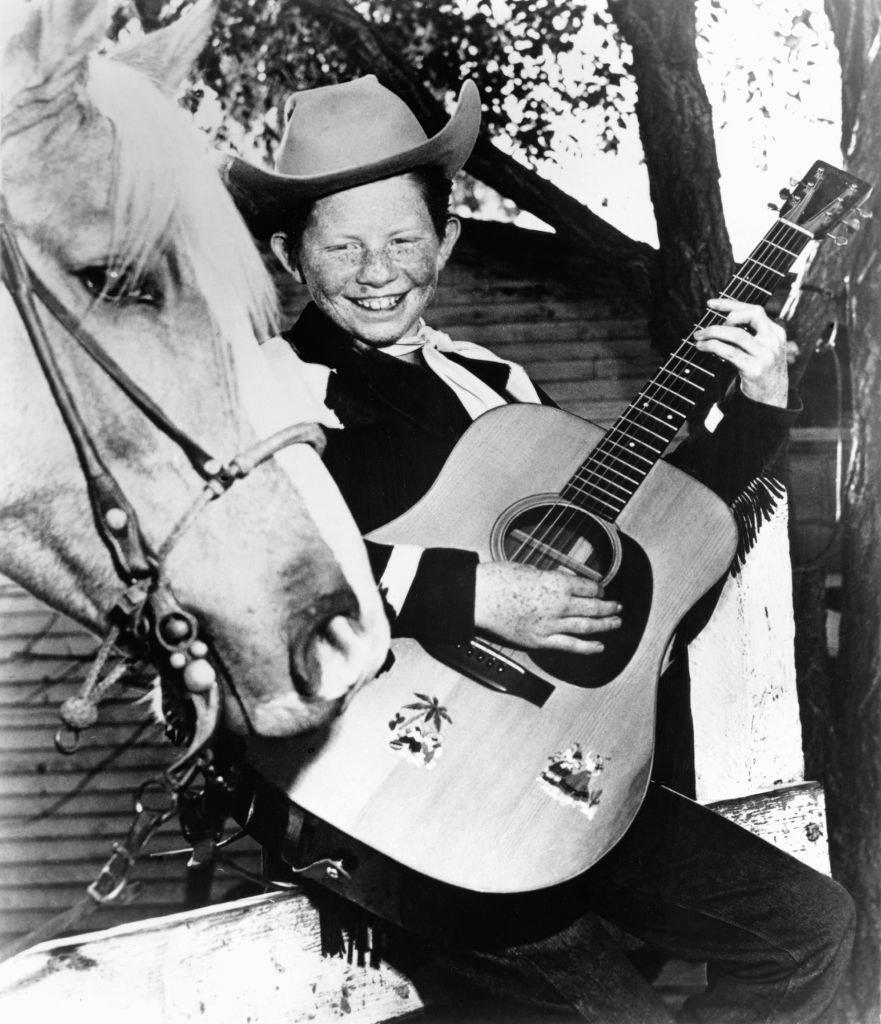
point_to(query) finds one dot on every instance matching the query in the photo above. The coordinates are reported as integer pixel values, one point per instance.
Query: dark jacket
(400, 423)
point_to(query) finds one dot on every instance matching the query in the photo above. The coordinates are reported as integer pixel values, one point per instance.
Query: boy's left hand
(755, 345)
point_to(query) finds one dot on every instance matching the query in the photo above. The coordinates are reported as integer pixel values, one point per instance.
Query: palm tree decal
(433, 709)
(417, 735)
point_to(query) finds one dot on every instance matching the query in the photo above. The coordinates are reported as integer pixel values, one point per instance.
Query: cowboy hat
(340, 136)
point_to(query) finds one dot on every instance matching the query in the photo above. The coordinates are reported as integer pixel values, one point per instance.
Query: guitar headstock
(823, 199)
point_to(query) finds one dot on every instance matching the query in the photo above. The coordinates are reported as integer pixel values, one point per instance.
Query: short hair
(434, 185)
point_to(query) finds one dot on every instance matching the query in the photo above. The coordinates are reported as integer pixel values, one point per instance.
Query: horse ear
(48, 44)
(167, 55)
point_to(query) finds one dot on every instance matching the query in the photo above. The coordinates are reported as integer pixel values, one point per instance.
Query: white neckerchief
(474, 395)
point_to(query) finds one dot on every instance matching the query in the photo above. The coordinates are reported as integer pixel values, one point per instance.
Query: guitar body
(501, 791)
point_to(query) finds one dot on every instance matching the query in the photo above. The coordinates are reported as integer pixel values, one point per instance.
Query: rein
(146, 611)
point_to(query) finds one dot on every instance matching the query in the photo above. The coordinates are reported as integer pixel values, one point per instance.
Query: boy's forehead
(392, 202)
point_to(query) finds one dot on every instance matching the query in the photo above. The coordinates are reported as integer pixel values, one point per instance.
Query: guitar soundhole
(556, 535)
(552, 534)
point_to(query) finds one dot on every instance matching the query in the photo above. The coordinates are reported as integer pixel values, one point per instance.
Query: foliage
(764, 53)
(525, 55)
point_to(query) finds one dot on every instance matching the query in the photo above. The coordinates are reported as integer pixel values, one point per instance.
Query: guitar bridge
(489, 666)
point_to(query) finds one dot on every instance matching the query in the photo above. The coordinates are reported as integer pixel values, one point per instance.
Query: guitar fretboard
(683, 386)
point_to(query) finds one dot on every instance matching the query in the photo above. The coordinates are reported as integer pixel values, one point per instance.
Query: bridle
(146, 613)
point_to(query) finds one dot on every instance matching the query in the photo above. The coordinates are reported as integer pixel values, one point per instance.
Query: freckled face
(370, 259)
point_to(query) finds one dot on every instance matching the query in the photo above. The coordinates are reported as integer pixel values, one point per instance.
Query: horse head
(119, 214)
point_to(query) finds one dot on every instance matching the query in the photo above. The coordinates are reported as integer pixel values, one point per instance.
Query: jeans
(776, 935)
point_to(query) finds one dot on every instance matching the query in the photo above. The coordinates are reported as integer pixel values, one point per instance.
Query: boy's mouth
(378, 303)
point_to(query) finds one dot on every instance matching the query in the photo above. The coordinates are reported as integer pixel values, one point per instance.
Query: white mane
(169, 200)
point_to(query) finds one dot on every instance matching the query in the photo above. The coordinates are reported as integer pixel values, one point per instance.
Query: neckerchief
(474, 395)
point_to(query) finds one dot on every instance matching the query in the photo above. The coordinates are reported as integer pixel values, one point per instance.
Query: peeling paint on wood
(744, 699)
(255, 960)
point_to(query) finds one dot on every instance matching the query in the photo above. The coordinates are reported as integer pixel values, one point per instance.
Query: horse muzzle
(332, 653)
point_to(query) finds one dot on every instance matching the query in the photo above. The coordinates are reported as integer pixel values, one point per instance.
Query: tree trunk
(812, 671)
(633, 262)
(676, 128)
(856, 849)
(844, 285)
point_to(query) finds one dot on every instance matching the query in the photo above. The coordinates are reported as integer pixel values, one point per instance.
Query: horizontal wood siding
(60, 815)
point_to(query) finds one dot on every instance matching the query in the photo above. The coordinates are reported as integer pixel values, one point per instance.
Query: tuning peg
(839, 239)
(853, 222)
(785, 194)
(793, 182)
(864, 214)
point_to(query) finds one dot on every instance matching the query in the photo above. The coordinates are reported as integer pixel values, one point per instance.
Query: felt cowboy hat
(340, 136)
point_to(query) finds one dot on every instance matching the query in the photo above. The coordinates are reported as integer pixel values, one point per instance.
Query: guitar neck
(686, 384)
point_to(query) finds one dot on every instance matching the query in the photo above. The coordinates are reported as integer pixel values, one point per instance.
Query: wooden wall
(59, 814)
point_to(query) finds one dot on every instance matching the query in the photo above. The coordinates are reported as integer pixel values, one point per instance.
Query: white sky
(757, 154)
(750, 36)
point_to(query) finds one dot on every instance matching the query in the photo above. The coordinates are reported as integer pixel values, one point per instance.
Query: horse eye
(120, 285)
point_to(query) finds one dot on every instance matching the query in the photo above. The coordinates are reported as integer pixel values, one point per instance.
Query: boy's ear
(279, 245)
(451, 235)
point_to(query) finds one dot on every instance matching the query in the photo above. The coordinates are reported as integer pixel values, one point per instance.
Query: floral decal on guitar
(416, 730)
(571, 778)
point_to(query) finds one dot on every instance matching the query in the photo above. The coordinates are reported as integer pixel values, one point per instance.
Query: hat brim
(265, 198)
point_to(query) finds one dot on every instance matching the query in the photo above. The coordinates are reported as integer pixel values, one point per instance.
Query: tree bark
(821, 303)
(854, 26)
(633, 262)
(812, 671)
(676, 128)
(844, 285)
(856, 849)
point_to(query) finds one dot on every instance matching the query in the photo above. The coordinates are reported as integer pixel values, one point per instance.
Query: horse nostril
(323, 627)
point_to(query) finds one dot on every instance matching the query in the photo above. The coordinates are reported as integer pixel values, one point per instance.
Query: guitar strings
(643, 411)
(602, 463)
(773, 257)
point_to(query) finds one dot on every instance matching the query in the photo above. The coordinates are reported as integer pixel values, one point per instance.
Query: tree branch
(676, 128)
(634, 262)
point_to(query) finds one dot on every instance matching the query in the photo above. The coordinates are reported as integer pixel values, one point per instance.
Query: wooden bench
(259, 960)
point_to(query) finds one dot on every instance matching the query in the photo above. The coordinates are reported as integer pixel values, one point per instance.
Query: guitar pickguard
(550, 533)
(631, 585)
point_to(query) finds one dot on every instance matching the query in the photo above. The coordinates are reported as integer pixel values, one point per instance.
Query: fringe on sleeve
(755, 505)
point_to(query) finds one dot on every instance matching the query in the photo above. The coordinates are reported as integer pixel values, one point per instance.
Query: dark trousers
(776, 936)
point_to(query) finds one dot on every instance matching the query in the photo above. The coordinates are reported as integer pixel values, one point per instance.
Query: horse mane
(169, 202)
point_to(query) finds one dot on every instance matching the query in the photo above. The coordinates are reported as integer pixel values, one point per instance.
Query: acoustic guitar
(500, 771)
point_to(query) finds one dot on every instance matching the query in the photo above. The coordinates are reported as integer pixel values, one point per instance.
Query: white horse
(119, 213)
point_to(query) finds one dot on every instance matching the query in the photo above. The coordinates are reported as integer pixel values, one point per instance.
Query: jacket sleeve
(732, 456)
(428, 592)
(744, 444)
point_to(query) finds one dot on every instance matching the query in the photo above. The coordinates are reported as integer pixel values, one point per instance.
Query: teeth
(383, 302)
